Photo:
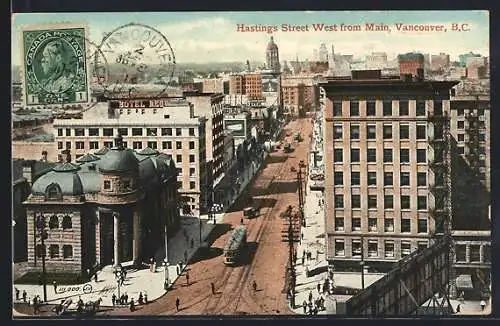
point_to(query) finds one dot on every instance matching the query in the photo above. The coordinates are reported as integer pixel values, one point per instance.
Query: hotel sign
(140, 103)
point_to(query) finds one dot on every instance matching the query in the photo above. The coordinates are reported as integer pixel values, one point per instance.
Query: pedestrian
(113, 299)
(177, 303)
(151, 264)
(122, 299)
(17, 294)
(241, 221)
(24, 296)
(303, 259)
(122, 279)
(483, 304)
(254, 286)
(213, 287)
(458, 308)
(145, 298)
(304, 305)
(319, 288)
(54, 283)
(126, 297)
(307, 271)
(140, 301)
(95, 277)
(178, 269)
(132, 305)
(302, 235)
(124, 272)
(310, 296)
(317, 254)
(187, 278)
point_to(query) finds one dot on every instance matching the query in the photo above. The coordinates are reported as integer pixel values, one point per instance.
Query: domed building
(114, 194)
(272, 56)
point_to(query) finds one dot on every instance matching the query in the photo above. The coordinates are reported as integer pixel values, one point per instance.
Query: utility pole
(362, 264)
(301, 196)
(289, 236)
(40, 223)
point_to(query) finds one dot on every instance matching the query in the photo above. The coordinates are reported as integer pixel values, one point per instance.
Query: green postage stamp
(54, 64)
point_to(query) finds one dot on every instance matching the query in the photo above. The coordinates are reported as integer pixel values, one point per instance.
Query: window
(486, 253)
(356, 224)
(461, 137)
(421, 132)
(387, 107)
(461, 253)
(179, 158)
(191, 145)
(179, 171)
(137, 145)
(191, 158)
(59, 132)
(67, 251)
(178, 145)
(191, 131)
(421, 155)
(389, 249)
(405, 202)
(136, 131)
(422, 225)
(388, 179)
(460, 112)
(94, 145)
(438, 107)
(372, 201)
(404, 178)
(372, 224)
(178, 131)
(421, 202)
(66, 223)
(389, 225)
(59, 145)
(405, 248)
(355, 179)
(356, 248)
(388, 201)
(372, 178)
(338, 178)
(403, 108)
(68, 145)
(387, 155)
(355, 201)
(339, 201)
(404, 132)
(387, 132)
(93, 131)
(482, 137)
(370, 108)
(372, 248)
(474, 253)
(404, 155)
(79, 132)
(339, 248)
(338, 155)
(107, 184)
(337, 132)
(480, 112)
(460, 124)
(461, 150)
(53, 222)
(152, 144)
(354, 106)
(421, 179)
(123, 131)
(337, 108)
(420, 108)
(339, 224)
(166, 131)
(68, 132)
(108, 144)
(371, 131)
(354, 155)
(192, 184)
(107, 132)
(405, 225)
(191, 172)
(151, 131)
(422, 245)
(371, 154)
(54, 251)
(354, 132)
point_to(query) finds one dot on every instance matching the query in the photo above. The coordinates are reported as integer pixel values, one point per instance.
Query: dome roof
(101, 151)
(118, 160)
(148, 151)
(64, 176)
(271, 45)
(89, 157)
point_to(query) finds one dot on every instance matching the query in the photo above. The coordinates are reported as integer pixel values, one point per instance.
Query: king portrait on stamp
(55, 65)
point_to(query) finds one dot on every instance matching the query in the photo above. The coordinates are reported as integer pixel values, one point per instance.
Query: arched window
(67, 224)
(67, 251)
(53, 192)
(39, 250)
(53, 222)
(54, 251)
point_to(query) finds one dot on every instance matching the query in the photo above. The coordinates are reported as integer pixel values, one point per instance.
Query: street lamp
(42, 232)
(118, 276)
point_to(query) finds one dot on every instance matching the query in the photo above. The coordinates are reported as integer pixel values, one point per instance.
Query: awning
(464, 281)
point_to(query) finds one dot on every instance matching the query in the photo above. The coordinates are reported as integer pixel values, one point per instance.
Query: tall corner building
(272, 56)
(387, 171)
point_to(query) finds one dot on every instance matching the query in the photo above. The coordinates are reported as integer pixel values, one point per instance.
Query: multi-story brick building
(237, 84)
(300, 95)
(378, 174)
(169, 125)
(213, 85)
(411, 63)
(102, 210)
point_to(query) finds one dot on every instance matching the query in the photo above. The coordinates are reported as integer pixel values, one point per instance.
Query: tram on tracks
(236, 246)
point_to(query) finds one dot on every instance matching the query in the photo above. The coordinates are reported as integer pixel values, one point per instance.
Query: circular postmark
(142, 61)
(87, 288)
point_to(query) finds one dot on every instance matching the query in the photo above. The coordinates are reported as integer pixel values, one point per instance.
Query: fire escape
(441, 189)
(473, 155)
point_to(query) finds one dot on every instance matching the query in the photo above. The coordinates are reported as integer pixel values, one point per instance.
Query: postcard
(251, 164)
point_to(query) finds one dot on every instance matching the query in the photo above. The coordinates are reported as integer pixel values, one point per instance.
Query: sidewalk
(140, 280)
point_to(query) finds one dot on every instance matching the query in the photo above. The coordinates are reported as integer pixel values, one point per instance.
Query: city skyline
(215, 34)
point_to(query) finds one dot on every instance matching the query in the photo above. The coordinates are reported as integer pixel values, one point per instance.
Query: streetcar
(287, 148)
(236, 246)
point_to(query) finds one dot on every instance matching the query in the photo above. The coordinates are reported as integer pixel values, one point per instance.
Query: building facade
(213, 85)
(300, 95)
(410, 63)
(378, 175)
(103, 210)
(440, 62)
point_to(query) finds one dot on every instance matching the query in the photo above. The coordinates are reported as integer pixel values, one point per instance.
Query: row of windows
(482, 137)
(461, 124)
(371, 132)
(388, 225)
(192, 172)
(371, 155)
(192, 185)
(124, 131)
(388, 201)
(135, 144)
(474, 253)
(54, 251)
(373, 248)
(461, 112)
(387, 108)
(66, 222)
(371, 178)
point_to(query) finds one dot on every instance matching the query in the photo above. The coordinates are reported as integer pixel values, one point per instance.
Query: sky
(213, 37)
